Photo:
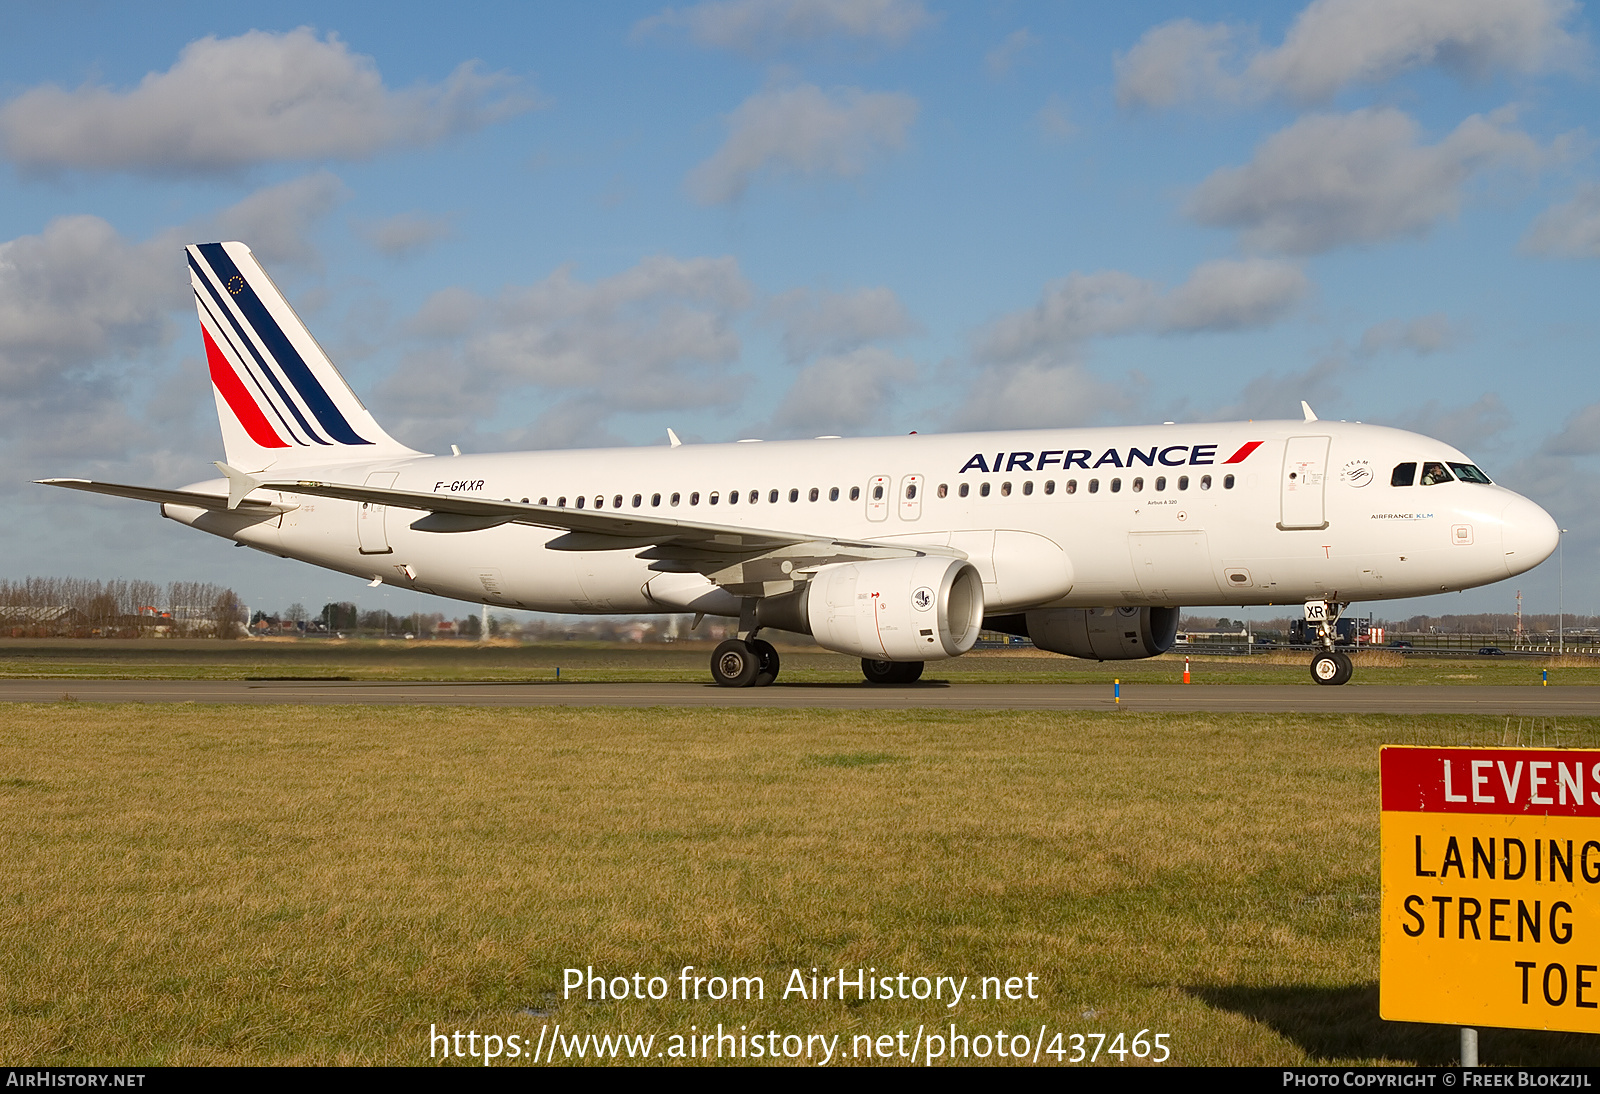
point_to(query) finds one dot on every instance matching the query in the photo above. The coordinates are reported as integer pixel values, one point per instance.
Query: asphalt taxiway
(934, 695)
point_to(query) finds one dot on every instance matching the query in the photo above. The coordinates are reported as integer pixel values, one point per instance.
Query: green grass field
(294, 885)
(687, 661)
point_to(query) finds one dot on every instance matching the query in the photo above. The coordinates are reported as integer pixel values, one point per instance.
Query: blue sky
(559, 225)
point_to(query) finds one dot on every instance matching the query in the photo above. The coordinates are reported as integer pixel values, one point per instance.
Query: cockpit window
(1404, 474)
(1433, 474)
(1466, 472)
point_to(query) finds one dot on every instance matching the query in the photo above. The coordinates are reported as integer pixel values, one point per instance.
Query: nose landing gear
(1329, 666)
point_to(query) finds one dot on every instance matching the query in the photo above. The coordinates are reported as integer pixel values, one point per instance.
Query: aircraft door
(370, 531)
(911, 497)
(878, 497)
(1305, 464)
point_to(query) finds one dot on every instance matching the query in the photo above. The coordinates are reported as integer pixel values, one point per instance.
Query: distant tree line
(70, 607)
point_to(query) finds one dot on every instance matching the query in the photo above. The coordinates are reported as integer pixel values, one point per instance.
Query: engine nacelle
(894, 609)
(1103, 634)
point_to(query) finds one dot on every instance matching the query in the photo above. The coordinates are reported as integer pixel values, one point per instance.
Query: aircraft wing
(746, 561)
(167, 497)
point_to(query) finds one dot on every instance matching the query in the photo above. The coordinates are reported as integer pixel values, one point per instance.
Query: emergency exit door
(1304, 484)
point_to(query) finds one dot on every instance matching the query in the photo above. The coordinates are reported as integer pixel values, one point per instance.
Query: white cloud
(845, 393)
(802, 131)
(78, 294)
(1335, 43)
(657, 336)
(1470, 428)
(817, 321)
(1178, 62)
(1277, 395)
(405, 234)
(275, 222)
(760, 26)
(1227, 294)
(1568, 230)
(1330, 180)
(1580, 436)
(231, 103)
(1422, 336)
(1233, 294)
(1039, 394)
(1003, 58)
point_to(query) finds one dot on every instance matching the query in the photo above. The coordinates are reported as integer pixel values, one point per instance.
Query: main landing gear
(891, 672)
(744, 663)
(1329, 666)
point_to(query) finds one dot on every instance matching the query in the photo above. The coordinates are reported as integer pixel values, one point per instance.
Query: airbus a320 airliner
(893, 549)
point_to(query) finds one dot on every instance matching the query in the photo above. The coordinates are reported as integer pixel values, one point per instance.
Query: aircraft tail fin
(281, 401)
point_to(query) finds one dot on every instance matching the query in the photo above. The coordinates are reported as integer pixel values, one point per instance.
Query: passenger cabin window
(1404, 474)
(544, 501)
(638, 499)
(655, 500)
(1005, 490)
(694, 498)
(1027, 488)
(772, 496)
(944, 491)
(1116, 486)
(983, 490)
(1433, 474)
(965, 487)
(675, 498)
(755, 496)
(911, 491)
(855, 493)
(579, 503)
(813, 495)
(1161, 483)
(1072, 486)
(877, 493)
(1094, 486)
(833, 495)
(616, 502)
(794, 495)
(1205, 482)
(1050, 486)
(1138, 485)
(733, 497)
(1183, 482)
(712, 500)
(1227, 482)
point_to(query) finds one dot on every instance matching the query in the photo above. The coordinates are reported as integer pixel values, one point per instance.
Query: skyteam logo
(256, 368)
(1173, 455)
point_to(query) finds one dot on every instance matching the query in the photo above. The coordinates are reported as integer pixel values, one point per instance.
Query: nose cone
(1530, 535)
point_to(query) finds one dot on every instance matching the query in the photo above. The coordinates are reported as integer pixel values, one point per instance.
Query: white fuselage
(1150, 515)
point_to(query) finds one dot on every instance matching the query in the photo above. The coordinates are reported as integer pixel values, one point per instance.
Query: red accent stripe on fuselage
(238, 398)
(1238, 457)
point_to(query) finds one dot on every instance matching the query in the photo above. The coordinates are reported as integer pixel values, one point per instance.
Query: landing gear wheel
(891, 672)
(735, 664)
(767, 661)
(1347, 668)
(1331, 668)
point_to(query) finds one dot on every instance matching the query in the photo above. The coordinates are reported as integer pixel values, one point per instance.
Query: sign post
(1491, 887)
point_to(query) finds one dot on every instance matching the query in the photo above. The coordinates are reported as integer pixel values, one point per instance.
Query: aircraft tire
(1327, 668)
(1347, 668)
(767, 659)
(891, 672)
(735, 664)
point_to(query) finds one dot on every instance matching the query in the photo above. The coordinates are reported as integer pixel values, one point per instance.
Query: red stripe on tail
(239, 401)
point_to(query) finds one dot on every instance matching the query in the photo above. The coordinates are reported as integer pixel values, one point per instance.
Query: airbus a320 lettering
(897, 550)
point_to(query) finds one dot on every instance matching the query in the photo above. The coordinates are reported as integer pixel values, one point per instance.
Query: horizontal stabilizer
(167, 497)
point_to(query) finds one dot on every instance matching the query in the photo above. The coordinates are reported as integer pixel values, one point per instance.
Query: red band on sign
(1554, 782)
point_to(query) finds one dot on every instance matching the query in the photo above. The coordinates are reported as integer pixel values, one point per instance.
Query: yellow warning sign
(1491, 887)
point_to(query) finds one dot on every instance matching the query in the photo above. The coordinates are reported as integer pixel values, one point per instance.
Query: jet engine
(927, 608)
(1098, 634)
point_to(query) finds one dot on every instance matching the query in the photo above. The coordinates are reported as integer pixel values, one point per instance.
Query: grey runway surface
(1351, 699)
